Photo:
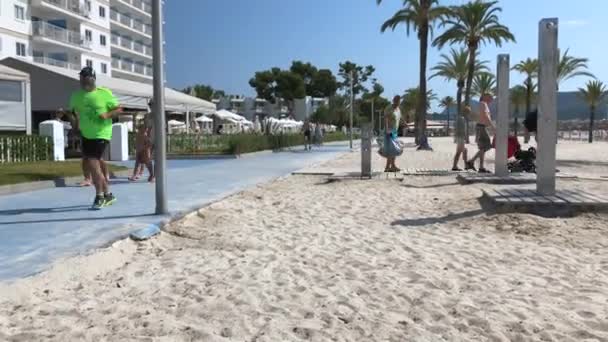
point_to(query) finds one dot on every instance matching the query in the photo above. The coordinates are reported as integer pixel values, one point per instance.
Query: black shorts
(307, 134)
(93, 148)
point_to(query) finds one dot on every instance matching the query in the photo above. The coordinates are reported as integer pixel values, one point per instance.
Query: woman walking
(391, 148)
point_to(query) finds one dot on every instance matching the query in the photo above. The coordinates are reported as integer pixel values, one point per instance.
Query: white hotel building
(112, 36)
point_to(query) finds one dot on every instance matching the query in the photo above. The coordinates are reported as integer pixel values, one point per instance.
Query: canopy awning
(52, 86)
(223, 114)
(203, 119)
(14, 100)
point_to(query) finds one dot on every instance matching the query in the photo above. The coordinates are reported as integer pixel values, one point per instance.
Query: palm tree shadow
(430, 186)
(424, 221)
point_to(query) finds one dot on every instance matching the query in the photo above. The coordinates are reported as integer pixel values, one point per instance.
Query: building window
(88, 35)
(88, 5)
(102, 12)
(20, 47)
(11, 91)
(89, 63)
(104, 68)
(102, 40)
(19, 12)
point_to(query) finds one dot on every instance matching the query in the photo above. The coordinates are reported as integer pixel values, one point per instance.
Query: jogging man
(95, 107)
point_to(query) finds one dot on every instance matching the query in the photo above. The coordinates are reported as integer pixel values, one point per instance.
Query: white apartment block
(112, 36)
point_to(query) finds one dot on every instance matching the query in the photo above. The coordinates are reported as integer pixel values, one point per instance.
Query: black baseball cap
(87, 72)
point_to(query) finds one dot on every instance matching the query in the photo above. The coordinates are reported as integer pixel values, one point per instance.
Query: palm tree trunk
(424, 42)
(591, 122)
(528, 104)
(447, 130)
(515, 123)
(469, 84)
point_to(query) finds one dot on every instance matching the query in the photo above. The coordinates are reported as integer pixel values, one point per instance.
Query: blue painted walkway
(37, 228)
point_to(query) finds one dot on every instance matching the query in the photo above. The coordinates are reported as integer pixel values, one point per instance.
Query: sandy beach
(304, 259)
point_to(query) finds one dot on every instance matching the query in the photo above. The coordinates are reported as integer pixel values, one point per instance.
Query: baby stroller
(519, 160)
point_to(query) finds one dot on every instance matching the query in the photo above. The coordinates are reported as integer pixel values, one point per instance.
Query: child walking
(143, 154)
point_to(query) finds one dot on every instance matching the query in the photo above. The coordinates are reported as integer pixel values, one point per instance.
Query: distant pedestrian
(482, 136)
(307, 134)
(143, 154)
(95, 107)
(391, 147)
(460, 140)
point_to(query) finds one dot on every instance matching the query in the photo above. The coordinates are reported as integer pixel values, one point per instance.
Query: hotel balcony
(55, 62)
(131, 68)
(140, 6)
(137, 49)
(129, 24)
(72, 8)
(46, 32)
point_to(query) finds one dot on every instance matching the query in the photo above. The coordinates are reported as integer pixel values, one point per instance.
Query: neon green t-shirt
(89, 106)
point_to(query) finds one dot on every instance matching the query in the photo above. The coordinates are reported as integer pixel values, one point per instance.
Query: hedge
(25, 148)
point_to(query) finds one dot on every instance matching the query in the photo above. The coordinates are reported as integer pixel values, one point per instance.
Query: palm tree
(411, 101)
(418, 15)
(518, 98)
(447, 103)
(454, 67)
(484, 83)
(594, 93)
(472, 24)
(570, 67)
(529, 67)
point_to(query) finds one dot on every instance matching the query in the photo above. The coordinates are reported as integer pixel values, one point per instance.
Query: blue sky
(223, 43)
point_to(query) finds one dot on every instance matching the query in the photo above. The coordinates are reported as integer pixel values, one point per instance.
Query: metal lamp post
(159, 108)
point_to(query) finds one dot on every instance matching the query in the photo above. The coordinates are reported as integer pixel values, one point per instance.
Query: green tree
(594, 94)
(410, 102)
(307, 72)
(528, 67)
(518, 99)
(473, 24)
(484, 83)
(361, 76)
(419, 16)
(447, 103)
(265, 84)
(290, 86)
(570, 67)
(203, 91)
(324, 84)
(454, 67)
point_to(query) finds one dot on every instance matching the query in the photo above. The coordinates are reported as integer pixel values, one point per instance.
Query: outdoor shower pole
(352, 97)
(160, 142)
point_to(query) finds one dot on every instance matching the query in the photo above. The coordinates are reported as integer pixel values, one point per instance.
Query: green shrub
(25, 148)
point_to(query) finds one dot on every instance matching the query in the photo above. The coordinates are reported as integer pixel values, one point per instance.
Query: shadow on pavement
(22, 211)
(76, 219)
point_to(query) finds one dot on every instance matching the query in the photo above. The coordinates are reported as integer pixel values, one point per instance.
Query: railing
(56, 62)
(27, 148)
(73, 6)
(126, 20)
(126, 43)
(115, 63)
(126, 65)
(138, 25)
(149, 71)
(140, 5)
(115, 39)
(138, 68)
(44, 29)
(138, 47)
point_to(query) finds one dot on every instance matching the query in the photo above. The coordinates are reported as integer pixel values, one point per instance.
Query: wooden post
(502, 121)
(547, 106)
